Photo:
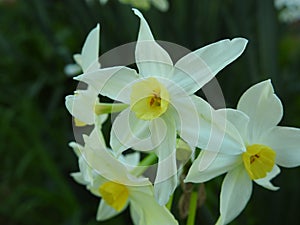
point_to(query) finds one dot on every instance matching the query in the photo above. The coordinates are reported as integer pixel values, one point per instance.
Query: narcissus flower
(161, 100)
(107, 177)
(265, 147)
(81, 105)
(84, 105)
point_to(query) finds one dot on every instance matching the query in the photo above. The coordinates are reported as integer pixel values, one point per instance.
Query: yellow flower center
(114, 194)
(258, 160)
(149, 99)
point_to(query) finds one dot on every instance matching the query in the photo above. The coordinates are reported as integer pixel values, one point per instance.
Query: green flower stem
(105, 108)
(193, 207)
(144, 164)
(169, 204)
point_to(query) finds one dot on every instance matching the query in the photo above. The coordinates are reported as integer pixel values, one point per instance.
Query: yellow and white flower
(161, 100)
(84, 105)
(109, 178)
(265, 146)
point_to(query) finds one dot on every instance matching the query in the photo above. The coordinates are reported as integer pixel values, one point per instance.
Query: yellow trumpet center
(258, 160)
(149, 99)
(114, 194)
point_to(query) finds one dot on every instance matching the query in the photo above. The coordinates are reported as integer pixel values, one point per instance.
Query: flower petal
(106, 212)
(265, 182)
(151, 58)
(235, 193)
(197, 68)
(285, 141)
(81, 105)
(90, 51)
(166, 176)
(239, 119)
(209, 165)
(106, 164)
(113, 82)
(145, 210)
(184, 111)
(208, 129)
(130, 132)
(263, 107)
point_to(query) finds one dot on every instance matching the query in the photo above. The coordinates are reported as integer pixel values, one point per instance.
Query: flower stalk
(144, 165)
(192, 207)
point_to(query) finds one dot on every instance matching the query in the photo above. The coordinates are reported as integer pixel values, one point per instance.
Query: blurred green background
(38, 38)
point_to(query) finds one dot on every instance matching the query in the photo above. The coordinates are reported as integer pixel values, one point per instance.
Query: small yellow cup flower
(252, 154)
(259, 160)
(149, 99)
(115, 194)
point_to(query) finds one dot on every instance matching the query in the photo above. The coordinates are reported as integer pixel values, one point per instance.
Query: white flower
(265, 146)
(81, 104)
(107, 177)
(84, 105)
(161, 99)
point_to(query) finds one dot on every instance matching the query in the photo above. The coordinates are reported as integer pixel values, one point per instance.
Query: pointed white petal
(265, 182)
(99, 120)
(151, 58)
(209, 165)
(145, 210)
(285, 141)
(77, 148)
(208, 129)
(79, 178)
(197, 68)
(235, 193)
(263, 107)
(77, 59)
(106, 164)
(113, 82)
(166, 177)
(239, 119)
(90, 51)
(188, 124)
(81, 105)
(128, 131)
(106, 212)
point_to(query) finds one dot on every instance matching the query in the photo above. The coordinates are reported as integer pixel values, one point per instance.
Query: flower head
(84, 104)
(109, 178)
(264, 146)
(161, 99)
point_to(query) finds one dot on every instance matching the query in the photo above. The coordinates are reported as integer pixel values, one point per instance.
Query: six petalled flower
(266, 145)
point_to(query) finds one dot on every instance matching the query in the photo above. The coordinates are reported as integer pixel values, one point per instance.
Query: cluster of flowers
(161, 117)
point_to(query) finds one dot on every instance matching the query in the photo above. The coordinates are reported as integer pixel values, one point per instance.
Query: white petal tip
(78, 78)
(138, 13)
(241, 41)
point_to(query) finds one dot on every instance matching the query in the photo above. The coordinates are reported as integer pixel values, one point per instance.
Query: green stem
(169, 204)
(192, 208)
(105, 108)
(144, 164)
